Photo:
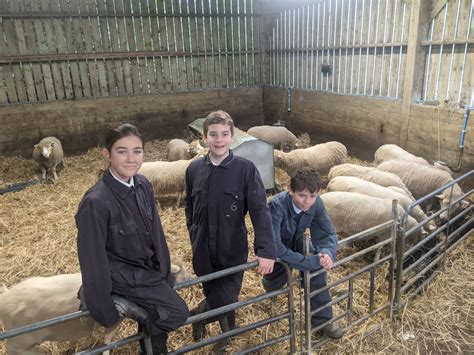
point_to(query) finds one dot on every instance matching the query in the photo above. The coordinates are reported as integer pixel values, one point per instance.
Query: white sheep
(352, 212)
(167, 177)
(178, 149)
(388, 152)
(374, 175)
(40, 298)
(279, 136)
(321, 157)
(48, 153)
(355, 184)
(423, 179)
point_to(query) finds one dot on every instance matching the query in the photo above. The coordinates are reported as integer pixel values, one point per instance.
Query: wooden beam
(414, 63)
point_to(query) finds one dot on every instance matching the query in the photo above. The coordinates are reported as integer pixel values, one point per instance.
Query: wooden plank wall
(82, 124)
(60, 50)
(359, 47)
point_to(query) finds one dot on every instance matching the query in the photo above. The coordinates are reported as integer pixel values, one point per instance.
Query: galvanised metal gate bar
(288, 314)
(433, 249)
(349, 294)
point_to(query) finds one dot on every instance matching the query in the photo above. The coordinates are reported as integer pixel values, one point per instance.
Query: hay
(38, 237)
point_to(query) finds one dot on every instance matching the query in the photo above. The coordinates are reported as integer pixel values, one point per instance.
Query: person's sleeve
(96, 278)
(188, 208)
(323, 235)
(292, 258)
(256, 199)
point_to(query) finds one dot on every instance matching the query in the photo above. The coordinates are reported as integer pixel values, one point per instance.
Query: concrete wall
(82, 124)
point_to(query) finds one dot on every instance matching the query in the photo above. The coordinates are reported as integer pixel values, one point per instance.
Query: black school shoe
(332, 331)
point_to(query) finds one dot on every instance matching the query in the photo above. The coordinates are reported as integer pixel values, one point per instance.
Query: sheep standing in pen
(40, 298)
(279, 136)
(166, 177)
(354, 184)
(321, 157)
(388, 152)
(352, 212)
(423, 179)
(48, 153)
(177, 149)
(374, 175)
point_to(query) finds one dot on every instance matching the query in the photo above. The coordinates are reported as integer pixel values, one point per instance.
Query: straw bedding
(37, 237)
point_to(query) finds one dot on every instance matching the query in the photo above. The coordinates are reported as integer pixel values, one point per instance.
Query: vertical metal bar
(312, 46)
(375, 49)
(340, 49)
(246, 45)
(297, 44)
(233, 41)
(360, 48)
(383, 48)
(367, 51)
(294, 48)
(350, 301)
(307, 49)
(204, 41)
(323, 43)
(400, 247)
(393, 260)
(285, 52)
(427, 73)
(438, 70)
(353, 45)
(334, 47)
(253, 42)
(452, 49)
(328, 40)
(399, 71)
(391, 48)
(318, 69)
(190, 42)
(372, 289)
(347, 44)
(307, 294)
(282, 37)
(291, 306)
(272, 69)
(465, 54)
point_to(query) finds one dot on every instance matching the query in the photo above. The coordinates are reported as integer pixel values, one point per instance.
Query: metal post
(307, 294)
(399, 265)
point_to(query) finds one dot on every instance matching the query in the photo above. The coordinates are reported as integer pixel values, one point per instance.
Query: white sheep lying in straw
(422, 180)
(48, 153)
(40, 298)
(374, 175)
(178, 149)
(166, 177)
(321, 157)
(352, 212)
(388, 152)
(355, 184)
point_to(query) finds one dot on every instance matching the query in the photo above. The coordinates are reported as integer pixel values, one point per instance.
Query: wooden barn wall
(61, 50)
(370, 122)
(82, 124)
(360, 47)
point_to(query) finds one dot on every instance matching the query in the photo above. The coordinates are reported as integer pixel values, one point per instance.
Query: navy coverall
(288, 227)
(122, 250)
(217, 200)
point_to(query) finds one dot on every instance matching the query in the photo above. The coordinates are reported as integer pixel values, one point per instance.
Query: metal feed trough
(244, 145)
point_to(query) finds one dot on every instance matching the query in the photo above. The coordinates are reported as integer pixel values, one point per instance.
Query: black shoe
(332, 331)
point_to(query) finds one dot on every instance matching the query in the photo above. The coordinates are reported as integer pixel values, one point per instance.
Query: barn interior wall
(365, 123)
(82, 124)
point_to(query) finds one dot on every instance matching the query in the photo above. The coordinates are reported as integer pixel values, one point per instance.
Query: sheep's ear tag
(440, 196)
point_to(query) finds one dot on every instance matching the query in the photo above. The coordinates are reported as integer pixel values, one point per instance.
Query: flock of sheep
(356, 197)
